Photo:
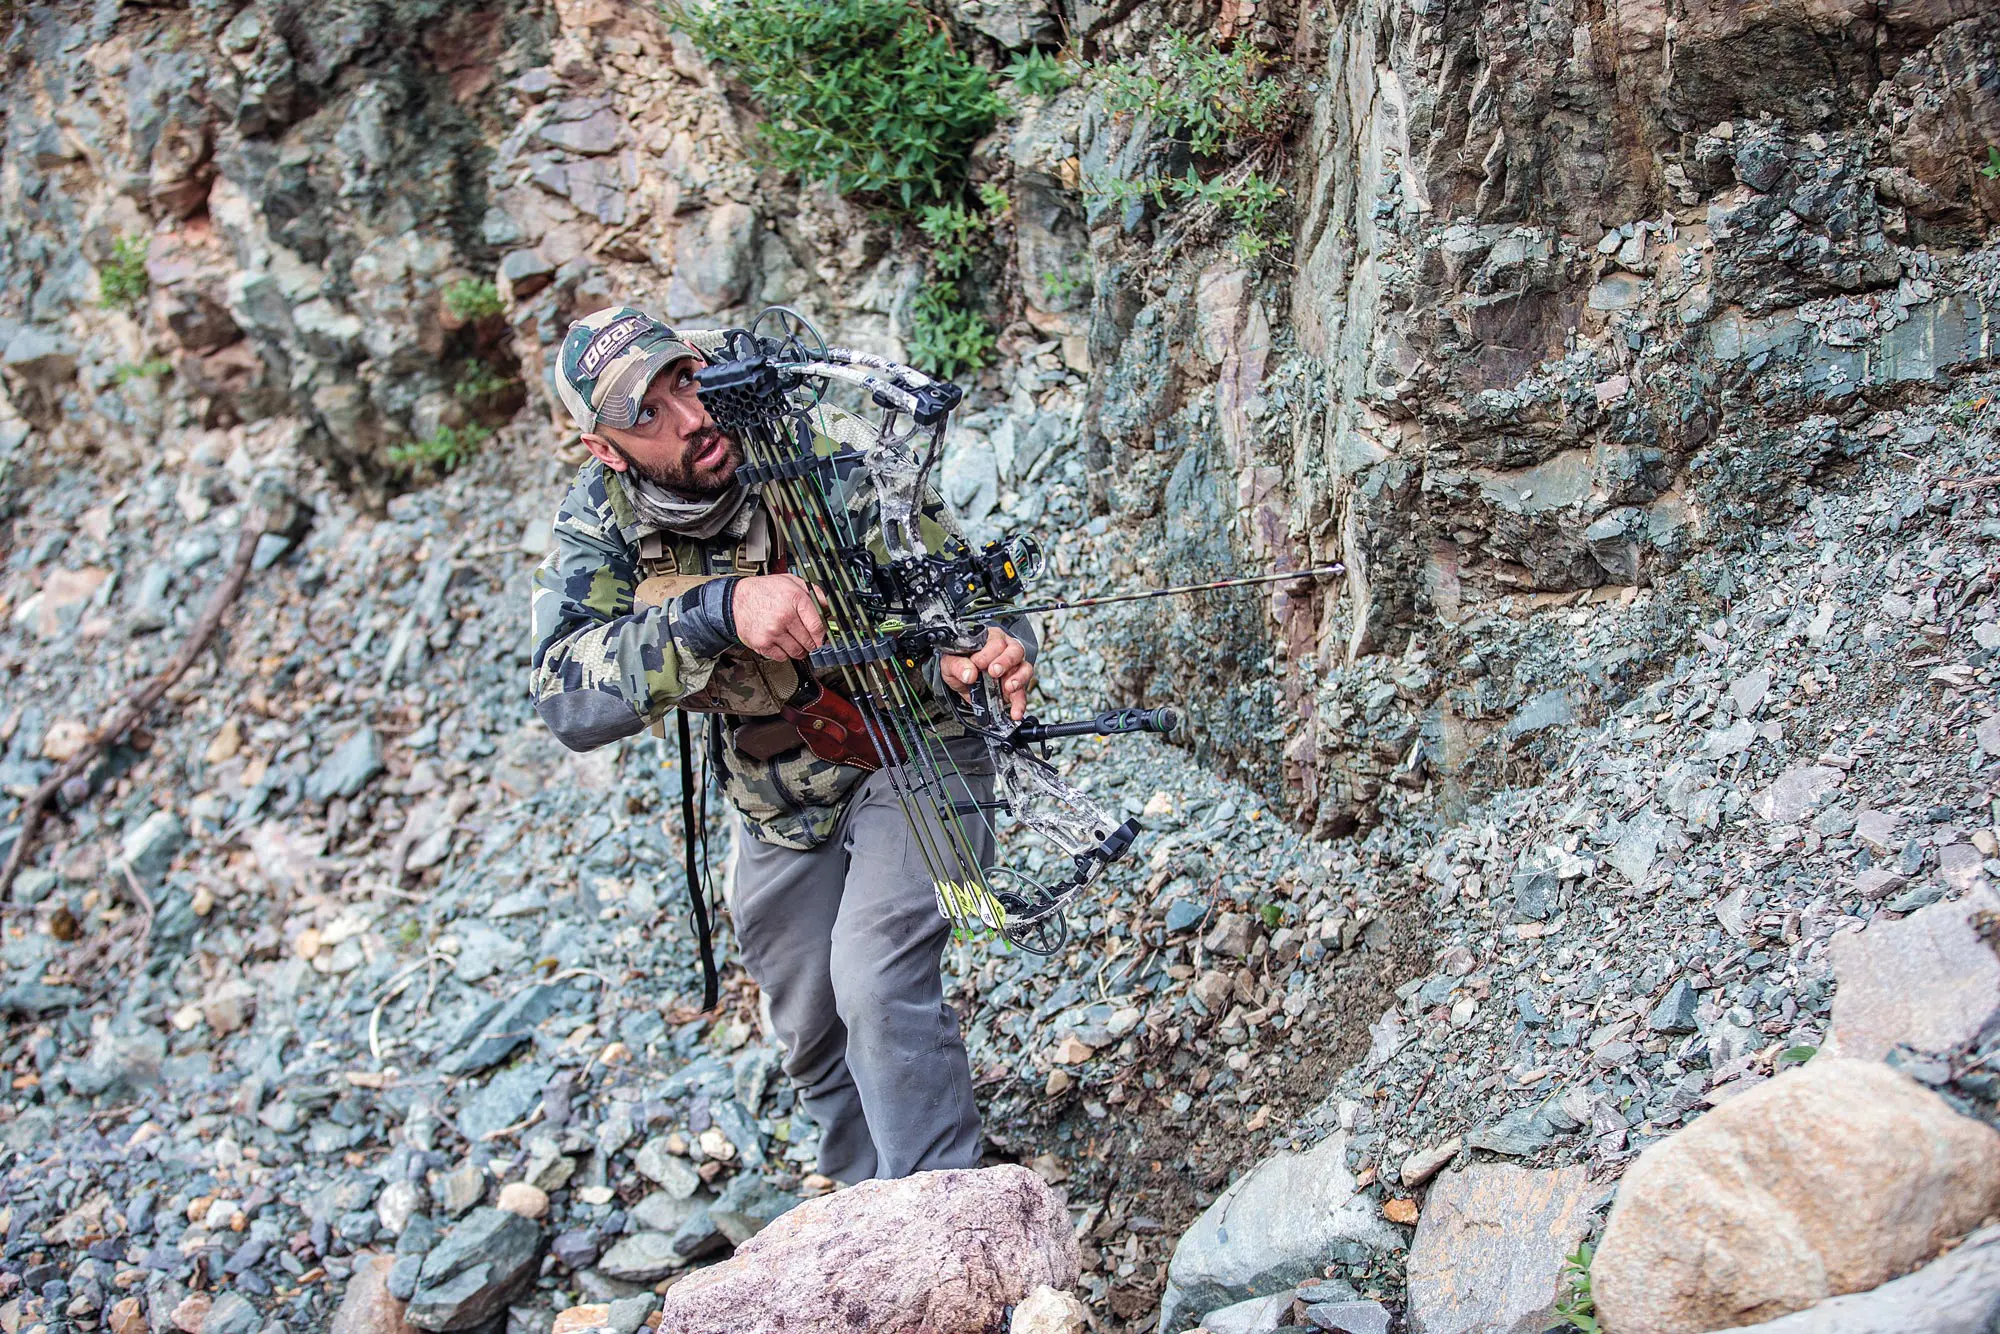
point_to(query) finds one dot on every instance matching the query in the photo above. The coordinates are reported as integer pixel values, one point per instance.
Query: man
(834, 908)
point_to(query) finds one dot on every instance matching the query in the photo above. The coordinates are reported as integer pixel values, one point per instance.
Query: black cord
(694, 836)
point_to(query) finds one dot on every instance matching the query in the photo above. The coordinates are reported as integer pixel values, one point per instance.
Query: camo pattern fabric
(589, 636)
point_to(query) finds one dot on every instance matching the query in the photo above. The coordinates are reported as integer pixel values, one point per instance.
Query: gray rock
(595, 133)
(150, 848)
(507, 1098)
(345, 772)
(747, 1205)
(496, 1033)
(1676, 1011)
(672, 1174)
(1534, 895)
(403, 1276)
(39, 355)
(1957, 1293)
(628, 1314)
(231, 1313)
(1520, 1132)
(1488, 1254)
(1349, 1317)
(578, 1249)
(1282, 1221)
(479, 1267)
(699, 1238)
(1259, 1315)
(526, 272)
(661, 1212)
(642, 1257)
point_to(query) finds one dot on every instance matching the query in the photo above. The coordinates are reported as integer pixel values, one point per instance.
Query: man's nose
(687, 413)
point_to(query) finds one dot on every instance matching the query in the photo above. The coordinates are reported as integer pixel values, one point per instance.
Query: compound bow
(887, 619)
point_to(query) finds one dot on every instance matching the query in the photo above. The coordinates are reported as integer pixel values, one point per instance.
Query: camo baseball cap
(608, 358)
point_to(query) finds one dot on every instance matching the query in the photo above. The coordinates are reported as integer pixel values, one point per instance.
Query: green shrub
(1232, 106)
(1215, 100)
(868, 95)
(946, 338)
(150, 369)
(442, 452)
(1039, 74)
(956, 234)
(122, 282)
(473, 299)
(479, 381)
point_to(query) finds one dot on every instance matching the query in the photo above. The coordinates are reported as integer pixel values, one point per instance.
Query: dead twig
(137, 705)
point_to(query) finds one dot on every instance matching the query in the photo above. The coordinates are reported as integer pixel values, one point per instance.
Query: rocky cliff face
(1571, 296)
(1633, 359)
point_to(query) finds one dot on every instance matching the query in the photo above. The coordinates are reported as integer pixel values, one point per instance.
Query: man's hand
(777, 616)
(1004, 660)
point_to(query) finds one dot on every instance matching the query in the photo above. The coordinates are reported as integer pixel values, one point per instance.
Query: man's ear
(605, 452)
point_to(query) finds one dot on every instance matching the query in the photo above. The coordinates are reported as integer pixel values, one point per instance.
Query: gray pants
(845, 941)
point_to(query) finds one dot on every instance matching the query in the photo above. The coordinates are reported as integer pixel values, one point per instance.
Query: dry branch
(138, 704)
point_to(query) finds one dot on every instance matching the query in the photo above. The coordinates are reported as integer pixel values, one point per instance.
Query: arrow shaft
(1107, 599)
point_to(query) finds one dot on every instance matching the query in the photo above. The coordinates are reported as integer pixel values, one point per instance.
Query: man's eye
(646, 413)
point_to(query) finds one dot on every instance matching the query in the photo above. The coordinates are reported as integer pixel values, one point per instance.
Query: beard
(682, 477)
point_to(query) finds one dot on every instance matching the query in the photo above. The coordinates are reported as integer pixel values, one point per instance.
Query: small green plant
(946, 338)
(442, 452)
(1272, 913)
(993, 198)
(869, 95)
(1991, 171)
(1215, 100)
(1063, 284)
(150, 369)
(122, 282)
(1577, 1305)
(1246, 200)
(479, 381)
(1039, 74)
(1791, 1056)
(473, 299)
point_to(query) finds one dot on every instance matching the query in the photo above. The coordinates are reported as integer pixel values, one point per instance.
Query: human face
(674, 443)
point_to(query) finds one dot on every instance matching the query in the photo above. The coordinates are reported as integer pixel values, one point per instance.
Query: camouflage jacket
(604, 669)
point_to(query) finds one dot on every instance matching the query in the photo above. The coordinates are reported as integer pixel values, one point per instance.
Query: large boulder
(1828, 1180)
(1957, 1293)
(935, 1253)
(1283, 1221)
(1488, 1255)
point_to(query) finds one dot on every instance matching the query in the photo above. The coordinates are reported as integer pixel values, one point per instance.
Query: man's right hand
(777, 616)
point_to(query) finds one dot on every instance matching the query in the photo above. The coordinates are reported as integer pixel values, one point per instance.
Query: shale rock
(940, 1251)
(475, 1271)
(1280, 1223)
(1827, 1180)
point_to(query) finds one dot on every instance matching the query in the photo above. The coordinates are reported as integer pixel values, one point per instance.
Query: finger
(1015, 689)
(995, 645)
(1010, 658)
(811, 626)
(959, 672)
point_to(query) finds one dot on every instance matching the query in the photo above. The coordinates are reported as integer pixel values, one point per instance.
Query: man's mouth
(714, 452)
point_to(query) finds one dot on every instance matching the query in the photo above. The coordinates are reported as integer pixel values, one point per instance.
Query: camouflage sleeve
(601, 669)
